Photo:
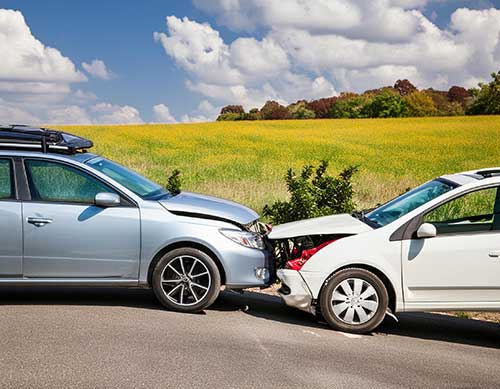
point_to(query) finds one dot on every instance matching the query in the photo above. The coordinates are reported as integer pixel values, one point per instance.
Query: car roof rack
(17, 136)
(490, 172)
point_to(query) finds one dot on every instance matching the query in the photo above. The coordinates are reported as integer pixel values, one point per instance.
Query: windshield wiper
(361, 215)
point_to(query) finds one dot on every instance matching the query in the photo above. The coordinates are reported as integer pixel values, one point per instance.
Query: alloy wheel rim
(185, 280)
(354, 301)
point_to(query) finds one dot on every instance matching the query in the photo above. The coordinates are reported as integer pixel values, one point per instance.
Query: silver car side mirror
(106, 200)
(427, 230)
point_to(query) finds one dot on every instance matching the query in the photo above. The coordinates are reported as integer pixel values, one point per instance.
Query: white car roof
(470, 176)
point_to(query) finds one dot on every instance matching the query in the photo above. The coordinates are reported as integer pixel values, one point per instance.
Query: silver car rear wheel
(185, 280)
(354, 301)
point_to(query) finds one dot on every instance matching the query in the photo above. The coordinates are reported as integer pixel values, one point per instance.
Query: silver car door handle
(39, 221)
(494, 254)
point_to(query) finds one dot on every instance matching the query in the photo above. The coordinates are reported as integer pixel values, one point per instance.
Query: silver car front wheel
(186, 280)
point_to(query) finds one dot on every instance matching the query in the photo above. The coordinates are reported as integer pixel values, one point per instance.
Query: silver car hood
(198, 205)
(326, 225)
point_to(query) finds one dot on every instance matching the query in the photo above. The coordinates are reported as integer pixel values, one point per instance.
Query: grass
(246, 161)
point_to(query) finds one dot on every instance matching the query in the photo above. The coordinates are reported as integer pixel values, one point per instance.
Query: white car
(436, 247)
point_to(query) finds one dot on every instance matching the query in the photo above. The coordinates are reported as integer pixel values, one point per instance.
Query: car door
(11, 234)
(461, 265)
(67, 236)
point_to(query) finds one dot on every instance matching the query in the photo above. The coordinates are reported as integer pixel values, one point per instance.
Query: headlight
(245, 238)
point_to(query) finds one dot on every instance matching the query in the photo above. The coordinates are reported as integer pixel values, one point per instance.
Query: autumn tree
(273, 110)
(404, 87)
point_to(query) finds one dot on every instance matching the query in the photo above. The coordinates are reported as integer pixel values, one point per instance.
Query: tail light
(296, 264)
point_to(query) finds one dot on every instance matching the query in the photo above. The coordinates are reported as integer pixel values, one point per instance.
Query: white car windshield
(131, 180)
(409, 201)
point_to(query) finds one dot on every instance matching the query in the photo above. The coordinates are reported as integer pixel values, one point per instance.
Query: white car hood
(334, 224)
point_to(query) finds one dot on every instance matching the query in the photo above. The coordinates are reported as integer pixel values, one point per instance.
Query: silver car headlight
(244, 238)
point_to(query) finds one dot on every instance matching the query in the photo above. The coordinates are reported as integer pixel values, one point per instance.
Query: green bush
(174, 182)
(299, 110)
(354, 107)
(314, 193)
(486, 100)
(230, 117)
(387, 104)
(419, 104)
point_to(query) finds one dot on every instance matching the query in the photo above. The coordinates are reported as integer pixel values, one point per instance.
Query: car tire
(186, 280)
(354, 300)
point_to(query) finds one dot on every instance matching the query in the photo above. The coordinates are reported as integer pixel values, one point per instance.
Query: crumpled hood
(334, 224)
(194, 204)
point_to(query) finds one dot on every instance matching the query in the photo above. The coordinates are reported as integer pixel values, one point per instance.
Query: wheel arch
(391, 291)
(186, 244)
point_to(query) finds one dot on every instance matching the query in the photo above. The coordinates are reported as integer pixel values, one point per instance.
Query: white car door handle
(495, 254)
(39, 221)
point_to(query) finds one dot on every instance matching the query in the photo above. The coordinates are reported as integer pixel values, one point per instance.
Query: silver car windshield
(131, 180)
(409, 201)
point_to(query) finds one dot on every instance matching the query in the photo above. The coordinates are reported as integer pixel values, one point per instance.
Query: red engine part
(296, 264)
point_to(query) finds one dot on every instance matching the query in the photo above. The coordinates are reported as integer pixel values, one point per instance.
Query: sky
(125, 61)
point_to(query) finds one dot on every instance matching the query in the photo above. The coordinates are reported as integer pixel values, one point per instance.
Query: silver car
(69, 217)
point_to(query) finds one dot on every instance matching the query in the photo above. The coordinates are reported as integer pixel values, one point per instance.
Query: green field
(246, 161)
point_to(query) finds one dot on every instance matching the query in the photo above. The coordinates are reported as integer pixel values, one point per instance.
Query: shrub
(351, 107)
(174, 182)
(419, 104)
(316, 196)
(230, 116)
(273, 110)
(487, 99)
(387, 104)
(299, 110)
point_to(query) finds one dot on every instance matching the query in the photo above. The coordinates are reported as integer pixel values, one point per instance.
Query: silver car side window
(56, 182)
(6, 181)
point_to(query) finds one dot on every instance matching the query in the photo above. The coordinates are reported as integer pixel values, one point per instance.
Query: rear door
(11, 235)
(461, 265)
(67, 236)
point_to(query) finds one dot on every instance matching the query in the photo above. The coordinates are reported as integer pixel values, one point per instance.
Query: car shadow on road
(415, 325)
(430, 326)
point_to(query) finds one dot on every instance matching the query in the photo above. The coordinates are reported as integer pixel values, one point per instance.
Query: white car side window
(472, 212)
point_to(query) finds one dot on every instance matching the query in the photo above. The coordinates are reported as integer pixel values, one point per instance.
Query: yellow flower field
(246, 161)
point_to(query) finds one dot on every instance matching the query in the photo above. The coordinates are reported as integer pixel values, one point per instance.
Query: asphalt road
(123, 338)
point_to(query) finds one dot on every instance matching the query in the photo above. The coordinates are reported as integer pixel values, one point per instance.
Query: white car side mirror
(427, 230)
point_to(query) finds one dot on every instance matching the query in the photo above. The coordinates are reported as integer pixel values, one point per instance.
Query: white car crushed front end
(297, 242)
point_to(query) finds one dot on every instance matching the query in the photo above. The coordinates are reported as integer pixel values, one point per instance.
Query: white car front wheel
(354, 300)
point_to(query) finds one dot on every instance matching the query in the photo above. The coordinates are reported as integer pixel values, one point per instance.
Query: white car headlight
(244, 238)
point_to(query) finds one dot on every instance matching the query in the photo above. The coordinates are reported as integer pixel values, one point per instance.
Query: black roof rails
(486, 173)
(17, 136)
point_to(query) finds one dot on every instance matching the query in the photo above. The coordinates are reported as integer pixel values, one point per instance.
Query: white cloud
(205, 112)
(107, 113)
(36, 82)
(162, 114)
(24, 58)
(69, 115)
(247, 72)
(314, 48)
(98, 69)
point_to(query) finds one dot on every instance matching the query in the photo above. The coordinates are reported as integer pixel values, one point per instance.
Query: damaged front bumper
(294, 291)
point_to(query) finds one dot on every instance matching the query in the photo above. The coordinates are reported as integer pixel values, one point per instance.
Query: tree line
(401, 100)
